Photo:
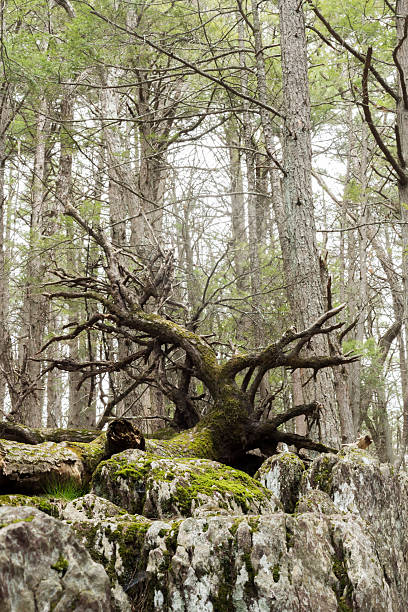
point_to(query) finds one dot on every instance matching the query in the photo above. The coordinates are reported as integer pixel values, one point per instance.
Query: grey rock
(50, 505)
(158, 487)
(28, 468)
(90, 506)
(275, 562)
(316, 501)
(43, 567)
(282, 475)
(361, 488)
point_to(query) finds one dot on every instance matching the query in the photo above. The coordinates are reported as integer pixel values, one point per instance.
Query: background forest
(245, 163)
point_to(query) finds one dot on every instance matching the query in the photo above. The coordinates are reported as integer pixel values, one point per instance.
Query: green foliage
(63, 488)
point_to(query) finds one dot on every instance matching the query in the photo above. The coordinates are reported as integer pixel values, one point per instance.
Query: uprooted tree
(230, 426)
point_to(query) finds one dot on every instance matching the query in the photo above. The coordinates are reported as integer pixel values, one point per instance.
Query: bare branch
(353, 52)
(274, 355)
(398, 65)
(369, 120)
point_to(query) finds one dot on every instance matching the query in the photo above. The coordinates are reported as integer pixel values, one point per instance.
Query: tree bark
(300, 255)
(402, 124)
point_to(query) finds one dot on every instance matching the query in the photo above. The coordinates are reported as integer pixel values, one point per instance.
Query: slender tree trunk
(253, 232)
(34, 306)
(300, 255)
(402, 123)
(4, 280)
(238, 228)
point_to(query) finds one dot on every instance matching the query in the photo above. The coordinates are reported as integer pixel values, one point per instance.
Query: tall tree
(300, 254)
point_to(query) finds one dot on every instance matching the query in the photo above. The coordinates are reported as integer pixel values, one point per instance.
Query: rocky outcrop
(191, 534)
(273, 562)
(44, 567)
(359, 486)
(157, 487)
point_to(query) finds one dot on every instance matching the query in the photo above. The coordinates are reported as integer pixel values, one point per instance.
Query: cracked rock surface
(190, 535)
(43, 566)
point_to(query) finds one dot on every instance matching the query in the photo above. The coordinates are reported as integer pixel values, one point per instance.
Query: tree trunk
(402, 123)
(34, 306)
(300, 255)
(238, 228)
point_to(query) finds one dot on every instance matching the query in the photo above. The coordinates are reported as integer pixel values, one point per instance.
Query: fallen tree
(230, 426)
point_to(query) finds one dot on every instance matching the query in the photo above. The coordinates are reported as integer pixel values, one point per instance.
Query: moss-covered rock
(319, 475)
(90, 506)
(359, 486)
(158, 487)
(29, 468)
(51, 506)
(316, 501)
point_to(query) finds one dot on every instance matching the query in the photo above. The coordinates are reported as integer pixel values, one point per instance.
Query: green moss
(127, 540)
(130, 538)
(90, 453)
(322, 478)
(253, 522)
(171, 539)
(61, 565)
(190, 443)
(223, 602)
(223, 480)
(276, 572)
(27, 519)
(167, 433)
(344, 591)
(234, 527)
(119, 467)
(250, 587)
(200, 478)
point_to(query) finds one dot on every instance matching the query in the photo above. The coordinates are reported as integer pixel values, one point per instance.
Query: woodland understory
(204, 223)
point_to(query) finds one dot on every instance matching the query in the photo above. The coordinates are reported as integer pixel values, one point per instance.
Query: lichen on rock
(183, 534)
(282, 474)
(44, 567)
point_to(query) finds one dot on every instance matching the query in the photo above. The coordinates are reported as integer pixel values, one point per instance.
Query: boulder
(52, 506)
(44, 567)
(90, 506)
(361, 487)
(213, 538)
(158, 487)
(282, 474)
(29, 468)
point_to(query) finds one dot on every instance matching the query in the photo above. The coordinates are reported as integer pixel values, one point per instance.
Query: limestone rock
(29, 468)
(158, 487)
(316, 501)
(90, 506)
(282, 474)
(360, 487)
(275, 562)
(43, 566)
(52, 506)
